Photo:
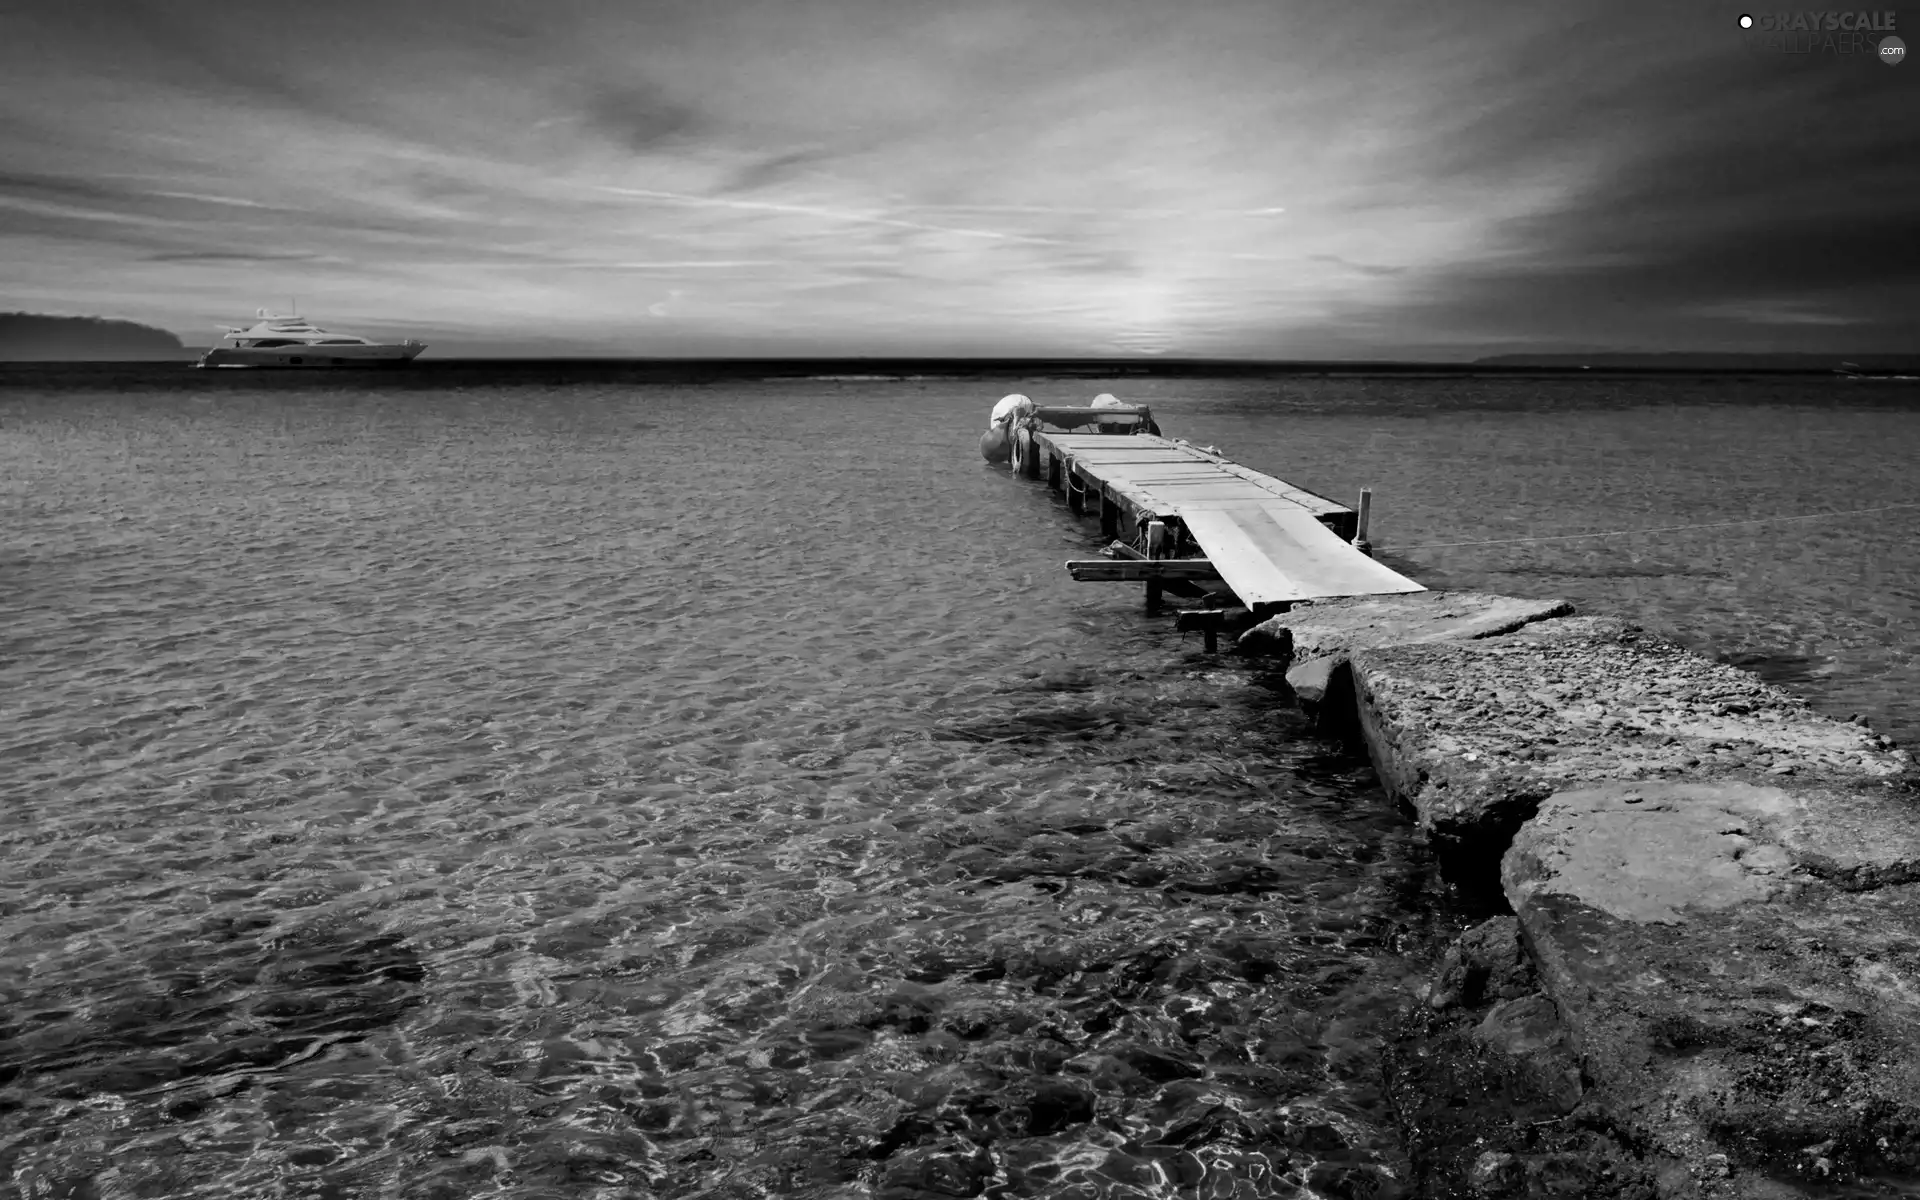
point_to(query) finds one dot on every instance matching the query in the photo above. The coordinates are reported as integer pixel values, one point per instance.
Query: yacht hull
(310, 356)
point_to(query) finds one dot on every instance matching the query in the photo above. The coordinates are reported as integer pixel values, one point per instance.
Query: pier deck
(1270, 542)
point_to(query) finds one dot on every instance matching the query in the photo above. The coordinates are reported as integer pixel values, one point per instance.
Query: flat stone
(1309, 679)
(1335, 627)
(1474, 735)
(1727, 983)
(1650, 851)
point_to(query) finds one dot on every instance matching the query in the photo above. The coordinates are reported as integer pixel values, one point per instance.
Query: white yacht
(294, 341)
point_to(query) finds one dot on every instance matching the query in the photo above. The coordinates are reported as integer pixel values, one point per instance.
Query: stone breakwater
(1710, 984)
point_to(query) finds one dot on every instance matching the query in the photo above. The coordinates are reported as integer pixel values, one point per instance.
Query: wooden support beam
(1157, 550)
(1213, 622)
(1107, 570)
(1063, 417)
(1158, 544)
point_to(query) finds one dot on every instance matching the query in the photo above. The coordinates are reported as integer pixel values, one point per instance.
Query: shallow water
(610, 790)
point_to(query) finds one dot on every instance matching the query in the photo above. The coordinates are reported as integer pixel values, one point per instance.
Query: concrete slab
(1717, 885)
(1334, 627)
(1474, 735)
(1729, 983)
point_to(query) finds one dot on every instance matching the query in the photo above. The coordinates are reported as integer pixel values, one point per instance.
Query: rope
(1568, 537)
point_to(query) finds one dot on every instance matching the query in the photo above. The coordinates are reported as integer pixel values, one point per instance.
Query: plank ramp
(1273, 552)
(1269, 540)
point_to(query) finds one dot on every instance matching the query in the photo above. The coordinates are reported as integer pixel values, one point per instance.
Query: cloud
(230, 201)
(1372, 269)
(1236, 178)
(813, 210)
(232, 256)
(641, 117)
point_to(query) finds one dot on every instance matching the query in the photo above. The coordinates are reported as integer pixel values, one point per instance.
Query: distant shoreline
(910, 369)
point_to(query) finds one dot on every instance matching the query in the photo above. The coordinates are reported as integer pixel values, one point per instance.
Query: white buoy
(1108, 400)
(1010, 407)
(996, 444)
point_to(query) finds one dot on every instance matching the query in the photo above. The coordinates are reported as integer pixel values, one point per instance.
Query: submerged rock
(244, 998)
(1486, 963)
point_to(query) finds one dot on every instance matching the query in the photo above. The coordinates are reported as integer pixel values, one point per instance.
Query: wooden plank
(1063, 415)
(1298, 495)
(1134, 570)
(1171, 471)
(1180, 495)
(1278, 553)
(1108, 439)
(1125, 455)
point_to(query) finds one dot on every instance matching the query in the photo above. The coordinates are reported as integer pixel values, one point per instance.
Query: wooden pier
(1179, 514)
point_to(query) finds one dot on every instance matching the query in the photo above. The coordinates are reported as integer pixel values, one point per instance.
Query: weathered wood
(1275, 553)
(1217, 618)
(1140, 452)
(1137, 570)
(1268, 541)
(1065, 417)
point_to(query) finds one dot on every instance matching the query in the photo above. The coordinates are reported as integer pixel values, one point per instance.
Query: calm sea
(599, 789)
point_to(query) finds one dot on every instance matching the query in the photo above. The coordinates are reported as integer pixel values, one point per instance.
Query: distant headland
(36, 337)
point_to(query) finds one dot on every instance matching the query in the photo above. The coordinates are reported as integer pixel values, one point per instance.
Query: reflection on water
(699, 791)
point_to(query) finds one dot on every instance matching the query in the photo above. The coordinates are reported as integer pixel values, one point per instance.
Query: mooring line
(1570, 537)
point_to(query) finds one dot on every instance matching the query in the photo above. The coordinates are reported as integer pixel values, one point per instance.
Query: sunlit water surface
(608, 790)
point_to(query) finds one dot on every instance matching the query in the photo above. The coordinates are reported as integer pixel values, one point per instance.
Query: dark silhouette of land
(1692, 361)
(35, 337)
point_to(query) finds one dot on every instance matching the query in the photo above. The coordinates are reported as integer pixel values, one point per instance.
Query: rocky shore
(1710, 984)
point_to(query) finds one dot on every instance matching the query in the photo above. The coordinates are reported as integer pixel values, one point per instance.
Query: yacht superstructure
(294, 341)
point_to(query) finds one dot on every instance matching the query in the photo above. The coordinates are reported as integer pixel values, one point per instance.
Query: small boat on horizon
(294, 341)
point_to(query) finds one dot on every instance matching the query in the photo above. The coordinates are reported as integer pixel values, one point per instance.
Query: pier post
(1156, 548)
(1360, 541)
(1109, 515)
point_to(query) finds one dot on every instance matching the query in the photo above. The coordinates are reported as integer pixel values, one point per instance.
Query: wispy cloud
(215, 257)
(813, 210)
(230, 201)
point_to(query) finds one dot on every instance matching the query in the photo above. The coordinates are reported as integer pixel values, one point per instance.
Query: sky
(1211, 178)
